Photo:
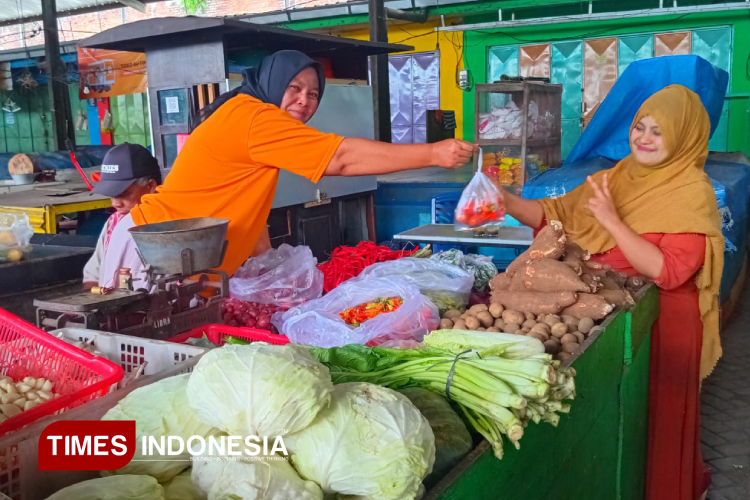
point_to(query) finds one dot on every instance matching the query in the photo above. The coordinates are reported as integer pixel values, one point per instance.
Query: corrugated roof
(22, 9)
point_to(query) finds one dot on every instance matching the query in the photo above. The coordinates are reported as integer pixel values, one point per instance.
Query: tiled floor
(725, 411)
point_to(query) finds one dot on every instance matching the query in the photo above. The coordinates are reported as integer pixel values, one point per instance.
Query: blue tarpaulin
(607, 133)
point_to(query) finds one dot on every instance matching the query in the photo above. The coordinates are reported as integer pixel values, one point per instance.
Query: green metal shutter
(567, 68)
(715, 45)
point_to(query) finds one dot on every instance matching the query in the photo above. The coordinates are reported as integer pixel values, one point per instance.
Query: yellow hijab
(675, 196)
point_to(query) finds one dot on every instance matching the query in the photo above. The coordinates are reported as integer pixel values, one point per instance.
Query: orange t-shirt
(229, 168)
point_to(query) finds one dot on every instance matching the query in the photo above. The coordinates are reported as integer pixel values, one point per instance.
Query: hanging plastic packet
(481, 204)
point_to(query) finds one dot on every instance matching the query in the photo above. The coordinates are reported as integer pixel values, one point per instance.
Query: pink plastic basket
(78, 376)
(218, 334)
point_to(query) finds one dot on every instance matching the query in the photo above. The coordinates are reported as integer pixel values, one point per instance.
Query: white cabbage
(372, 443)
(159, 409)
(181, 488)
(126, 487)
(259, 389)
(252, 480)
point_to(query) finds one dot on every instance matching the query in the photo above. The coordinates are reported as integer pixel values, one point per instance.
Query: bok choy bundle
(500, 382)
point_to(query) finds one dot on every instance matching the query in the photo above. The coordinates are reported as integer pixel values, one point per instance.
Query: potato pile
(19, 396)
(561, 335)
(555, 276)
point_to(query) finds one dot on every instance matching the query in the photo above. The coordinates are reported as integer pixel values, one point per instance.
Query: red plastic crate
(78, 376)
(217, 334)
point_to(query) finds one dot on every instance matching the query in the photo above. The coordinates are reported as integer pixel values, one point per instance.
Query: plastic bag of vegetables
(446, 285)
(372, 443)
(159, 409)
(258, 389)
(318, 322)
(285, 277)
(113, 488)
(481, 266)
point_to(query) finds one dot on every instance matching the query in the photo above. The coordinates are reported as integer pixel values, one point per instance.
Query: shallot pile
(250, 314)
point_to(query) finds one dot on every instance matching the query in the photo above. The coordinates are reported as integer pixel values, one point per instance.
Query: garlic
(47, 386)
(44, 395)
(32, 395)
(29, 380)
(9, 398)
(10, 410)
(23, 388)
(29, 405)
(20, 402)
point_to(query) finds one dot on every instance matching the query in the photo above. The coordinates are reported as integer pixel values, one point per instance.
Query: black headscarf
(268, 81)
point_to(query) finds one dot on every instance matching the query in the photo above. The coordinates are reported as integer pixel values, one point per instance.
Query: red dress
(675, 467)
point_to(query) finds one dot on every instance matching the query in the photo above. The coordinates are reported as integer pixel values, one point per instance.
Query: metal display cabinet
(518, 126)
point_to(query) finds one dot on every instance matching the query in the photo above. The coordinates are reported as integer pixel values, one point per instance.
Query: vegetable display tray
(131, 352)
(78, 376)
(218, 334)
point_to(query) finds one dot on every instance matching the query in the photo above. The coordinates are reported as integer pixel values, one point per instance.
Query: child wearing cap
(129, 171)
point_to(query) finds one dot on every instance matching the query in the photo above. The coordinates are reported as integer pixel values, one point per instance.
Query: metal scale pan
(182, 247)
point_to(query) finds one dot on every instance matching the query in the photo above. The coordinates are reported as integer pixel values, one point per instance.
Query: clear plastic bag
(286, 277)
(318, 323)
(481, 204)
(481, 266)
(15, 235)
(446, 285)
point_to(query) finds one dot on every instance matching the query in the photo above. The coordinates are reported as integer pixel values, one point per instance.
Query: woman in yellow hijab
(655, 214)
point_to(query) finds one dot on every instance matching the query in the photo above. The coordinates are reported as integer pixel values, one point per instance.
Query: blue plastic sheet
(607, 134)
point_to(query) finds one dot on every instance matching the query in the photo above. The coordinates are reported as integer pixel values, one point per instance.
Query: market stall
(554, 382)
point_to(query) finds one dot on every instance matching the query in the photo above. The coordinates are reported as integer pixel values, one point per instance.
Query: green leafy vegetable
(452, 440)
(491, 386)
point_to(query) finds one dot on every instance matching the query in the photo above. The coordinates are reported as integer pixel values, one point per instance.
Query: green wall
(478, 42)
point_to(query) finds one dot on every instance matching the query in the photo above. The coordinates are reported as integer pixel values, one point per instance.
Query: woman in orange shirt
(655, 214)
(229, 166)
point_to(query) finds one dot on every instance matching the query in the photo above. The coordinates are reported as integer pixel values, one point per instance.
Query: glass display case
(517, 125)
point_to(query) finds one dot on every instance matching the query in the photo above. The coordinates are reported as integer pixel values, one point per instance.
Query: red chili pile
(348, 262)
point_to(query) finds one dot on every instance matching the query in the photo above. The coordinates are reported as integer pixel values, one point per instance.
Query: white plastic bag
(446, 285)
(481, 266)
(481, 204)
(318, 323)
(15, 235)
(286, 277)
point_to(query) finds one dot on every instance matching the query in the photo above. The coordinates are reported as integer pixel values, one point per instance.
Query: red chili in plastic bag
(347, 262)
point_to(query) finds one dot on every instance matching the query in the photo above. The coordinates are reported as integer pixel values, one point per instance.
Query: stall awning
(175, 31)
